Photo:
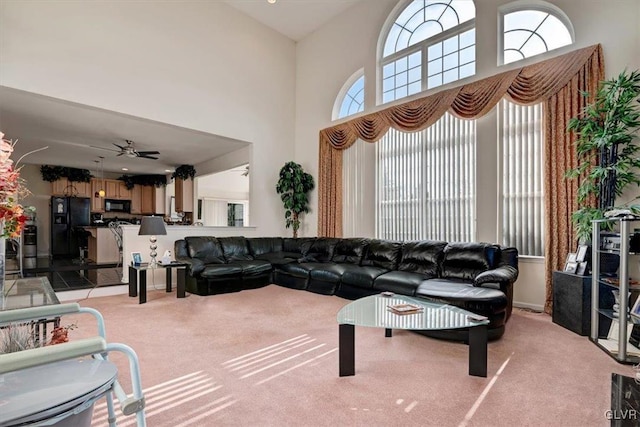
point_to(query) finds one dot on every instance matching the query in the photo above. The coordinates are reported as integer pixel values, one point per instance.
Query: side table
(138, 280)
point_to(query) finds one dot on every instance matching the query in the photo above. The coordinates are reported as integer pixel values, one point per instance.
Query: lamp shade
(152, 226)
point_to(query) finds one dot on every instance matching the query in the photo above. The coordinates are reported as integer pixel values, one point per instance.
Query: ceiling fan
(129, 150)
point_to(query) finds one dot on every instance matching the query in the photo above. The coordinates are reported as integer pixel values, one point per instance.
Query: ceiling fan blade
(144, 153)
(120, 154)
(119, 146)
(147, 157)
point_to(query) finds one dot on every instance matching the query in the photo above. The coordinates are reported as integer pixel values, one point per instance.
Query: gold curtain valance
(526, 85)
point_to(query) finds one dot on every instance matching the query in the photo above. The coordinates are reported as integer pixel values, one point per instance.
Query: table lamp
(152, 226)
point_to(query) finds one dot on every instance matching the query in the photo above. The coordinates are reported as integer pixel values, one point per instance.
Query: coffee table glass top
(27, 292)
(373, 311)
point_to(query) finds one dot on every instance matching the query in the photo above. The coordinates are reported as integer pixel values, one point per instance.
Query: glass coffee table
(374, 311)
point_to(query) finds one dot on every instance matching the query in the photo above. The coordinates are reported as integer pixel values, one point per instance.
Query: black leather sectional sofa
(478, 277)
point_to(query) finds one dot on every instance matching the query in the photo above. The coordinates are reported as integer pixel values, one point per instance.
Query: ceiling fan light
(131, 154)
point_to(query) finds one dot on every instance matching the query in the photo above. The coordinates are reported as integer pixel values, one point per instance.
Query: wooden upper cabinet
(97, 202)
(184, 195)
(123, 192)
(112, 187)
(153, 200)
(64, 187)
(136, 199)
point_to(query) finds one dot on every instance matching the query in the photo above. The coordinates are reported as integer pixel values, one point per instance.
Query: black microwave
(111, 205)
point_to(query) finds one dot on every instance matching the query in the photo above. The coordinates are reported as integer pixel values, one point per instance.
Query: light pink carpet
(269, 357)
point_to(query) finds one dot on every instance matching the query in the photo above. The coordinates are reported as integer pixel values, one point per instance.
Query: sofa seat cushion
(362, 277)
(218, 271)
(277, 258)
(480, 300)
(331, 272)
(253, 267)
(298, 269)
(400, 282)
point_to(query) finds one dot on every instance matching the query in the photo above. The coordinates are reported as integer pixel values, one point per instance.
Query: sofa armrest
(502, 274)
(195, 265)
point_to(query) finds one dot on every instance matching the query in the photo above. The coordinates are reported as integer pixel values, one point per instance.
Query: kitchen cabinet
(136, 199)
(153, 200)
(117, 189)
(64, 187)
(97, 202)
(184, 195)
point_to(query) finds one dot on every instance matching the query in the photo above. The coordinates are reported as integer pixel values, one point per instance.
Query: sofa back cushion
(422, 257)
(264, 245)
(235, 248)
(467, 260)
(349, 251)
(291, 244)
(205, 248)
(382, 253)
(318, 250)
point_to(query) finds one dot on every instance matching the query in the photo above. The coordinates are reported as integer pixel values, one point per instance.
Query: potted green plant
(293, 186)
(607, 146)
(184, 172)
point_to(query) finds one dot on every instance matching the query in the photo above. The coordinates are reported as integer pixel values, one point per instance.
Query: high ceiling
(294, 18)
(78, 134)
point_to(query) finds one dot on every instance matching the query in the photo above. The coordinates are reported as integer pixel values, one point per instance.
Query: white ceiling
(78, 134)
(294, 18)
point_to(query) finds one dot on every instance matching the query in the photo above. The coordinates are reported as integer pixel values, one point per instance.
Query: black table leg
(168, 279)
(388, 333)
(478, 351)
(143, 286)
(182, 278)
(346, 350)
(133, 282)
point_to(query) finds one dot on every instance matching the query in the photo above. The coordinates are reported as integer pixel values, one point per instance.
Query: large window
(426, 182)
(430, 43)
(529, 32)
(350, 100)
(522, 202)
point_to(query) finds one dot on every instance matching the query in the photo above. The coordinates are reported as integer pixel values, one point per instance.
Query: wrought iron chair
(72, 382)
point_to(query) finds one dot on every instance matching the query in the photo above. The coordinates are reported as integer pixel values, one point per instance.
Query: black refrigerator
(68, 216)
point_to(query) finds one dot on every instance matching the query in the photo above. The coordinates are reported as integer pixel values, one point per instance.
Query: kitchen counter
(102, 245)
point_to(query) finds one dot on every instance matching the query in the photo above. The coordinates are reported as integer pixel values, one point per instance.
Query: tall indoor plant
(607, 146)
(293, 186)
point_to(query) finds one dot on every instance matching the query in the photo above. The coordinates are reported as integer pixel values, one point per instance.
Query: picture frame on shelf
(635, 310)
(571, 267)
(581, 253)
(136, 258)
(581, 269)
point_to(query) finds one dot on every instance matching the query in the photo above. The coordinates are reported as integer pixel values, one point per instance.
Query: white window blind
(426, 182)
(522, 199)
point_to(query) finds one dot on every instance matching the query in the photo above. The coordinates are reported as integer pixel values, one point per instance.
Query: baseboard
(527, 306)
(100, 291)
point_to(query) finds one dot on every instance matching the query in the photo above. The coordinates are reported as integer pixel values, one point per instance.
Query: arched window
(531, 29)
(427, 43)
(350, 100)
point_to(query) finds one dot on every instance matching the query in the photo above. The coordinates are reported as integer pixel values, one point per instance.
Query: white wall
(326, 58)
(200, 65)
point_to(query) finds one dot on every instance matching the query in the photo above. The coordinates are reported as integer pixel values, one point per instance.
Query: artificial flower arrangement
(12, 189)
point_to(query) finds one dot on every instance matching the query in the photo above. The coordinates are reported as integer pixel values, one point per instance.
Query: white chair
(55, 385)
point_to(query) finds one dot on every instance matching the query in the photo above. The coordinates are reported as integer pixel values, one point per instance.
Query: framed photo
(571, 267)
(136, 258)
(581, 254)
(582, 268)
(635, 310)
(572, 257)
